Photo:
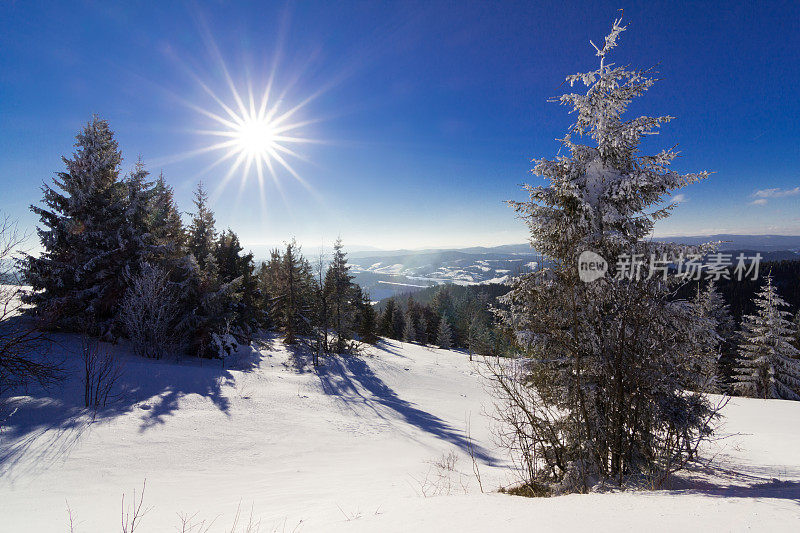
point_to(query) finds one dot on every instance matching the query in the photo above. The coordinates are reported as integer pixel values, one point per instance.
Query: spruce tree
(604, 371)
(714, 365)
(768, 364)
(293, 294)
(338, 287)
(385, 327)
(79, 276)
(409, 329)
(478, 340)
(367, 320)
(202, 234)
(797, 329)
(398, 324)
(444, 335)
(166, 225)
(422, 330)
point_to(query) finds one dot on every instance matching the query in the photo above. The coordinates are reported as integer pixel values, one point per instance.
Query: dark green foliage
(80, 275)
(339, 291)
(289, 286)
(385, 326)
(366, 318)
(470, 320)
(201, 234)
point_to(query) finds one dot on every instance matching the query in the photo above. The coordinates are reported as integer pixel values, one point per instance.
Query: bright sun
(256, 137)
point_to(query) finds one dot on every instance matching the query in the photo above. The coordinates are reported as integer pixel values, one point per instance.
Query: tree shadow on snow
(345, 377)
(44, 424)
(728, 483)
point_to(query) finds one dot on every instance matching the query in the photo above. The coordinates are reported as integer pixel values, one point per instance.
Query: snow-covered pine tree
(422, 330)
(294, 294)
(712, 305)
(409, 329)
(385, 327)
(79, 275)
(704, 364)
(797, 329)
(202, 234)
(237, 269)
(140, 245)
(166, 225)
(478, 338)
(605, 360)
(398, 323)
(768, 364)
(444, 335)
(338, 286)
(367, 321)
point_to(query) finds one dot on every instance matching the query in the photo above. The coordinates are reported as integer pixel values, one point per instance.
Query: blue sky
(429, 113)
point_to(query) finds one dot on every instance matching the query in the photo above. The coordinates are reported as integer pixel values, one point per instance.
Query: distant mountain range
(392, 272)
(760, 243)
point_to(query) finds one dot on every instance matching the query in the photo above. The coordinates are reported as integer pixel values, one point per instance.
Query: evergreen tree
(603, 379)
(398, 324)
(79, 276)
(202, 233)
(714, 365)
(321, 308)
(409, 329)
(165, 223)
(338, 287)
(237, 269)
(367, 320)
(703, 365)
(294, 294)
(231, 264)
(768, 365)
(140, 245)
(444, 334)
(422, 330)
(797, 330)
(385, 327)
(478, 339)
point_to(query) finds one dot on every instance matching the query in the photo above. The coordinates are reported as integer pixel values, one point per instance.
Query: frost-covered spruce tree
(79, 276)
(714, 365)
(201, 234)
(797, 329)
(444, 335)
(768, 364)
(339, 288)
(706, 366)
(605, 361)
(166, 225)
(409, 329)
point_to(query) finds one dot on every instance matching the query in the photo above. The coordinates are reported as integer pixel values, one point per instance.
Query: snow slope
(353, 448)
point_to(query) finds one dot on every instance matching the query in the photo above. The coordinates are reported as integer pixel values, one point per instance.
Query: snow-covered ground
(354, 447)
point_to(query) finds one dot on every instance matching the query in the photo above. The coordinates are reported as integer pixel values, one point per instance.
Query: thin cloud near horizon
(762, 195)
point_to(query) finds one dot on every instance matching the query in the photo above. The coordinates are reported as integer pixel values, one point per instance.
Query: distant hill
(384, 273)
(761, 243)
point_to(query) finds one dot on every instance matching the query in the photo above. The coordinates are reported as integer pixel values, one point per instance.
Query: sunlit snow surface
(347, 449)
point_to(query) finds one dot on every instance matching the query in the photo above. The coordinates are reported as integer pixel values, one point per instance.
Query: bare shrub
(23, 343)
(131, 516)
(148, 312)
(443, 477)
(100, 373)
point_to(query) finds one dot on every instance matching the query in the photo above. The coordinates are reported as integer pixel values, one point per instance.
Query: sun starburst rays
(257, 137)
